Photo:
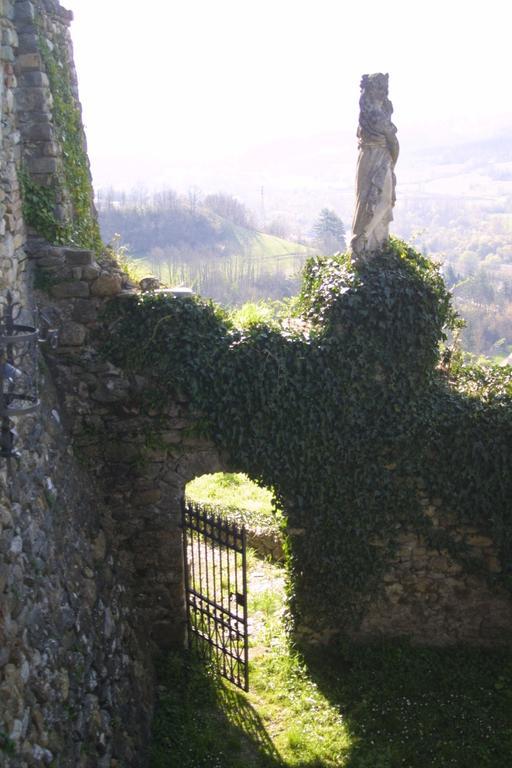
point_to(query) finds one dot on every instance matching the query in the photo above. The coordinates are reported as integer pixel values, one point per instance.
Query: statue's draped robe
(375, 182)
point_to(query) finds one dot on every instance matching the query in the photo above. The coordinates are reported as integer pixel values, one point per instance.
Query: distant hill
(219, 259)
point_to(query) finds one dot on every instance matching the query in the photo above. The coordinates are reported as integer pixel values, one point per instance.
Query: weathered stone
(34, 100)
(72, 334)
(50, 261)
(84, 311)
(494, 565)
(28, 43)
(78, 257)
(43, 165)
(70, 290)
(90, 273)
(152, 496)
(24, 11)
(6, 53)
(479, 541)
(111, 391)
(378, 153)
(38, 131)
(100, 547)
(149, 283)
(106, 285)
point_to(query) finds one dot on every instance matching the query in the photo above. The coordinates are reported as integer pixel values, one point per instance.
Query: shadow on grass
(401, 706)
(202, 721)
(420, 708)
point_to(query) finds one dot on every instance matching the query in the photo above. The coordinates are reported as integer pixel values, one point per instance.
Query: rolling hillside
(217, 258)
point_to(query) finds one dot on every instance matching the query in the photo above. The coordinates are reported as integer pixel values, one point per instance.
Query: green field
(249, 266)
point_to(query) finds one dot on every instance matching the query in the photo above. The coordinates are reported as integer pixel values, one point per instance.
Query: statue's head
(376, 84)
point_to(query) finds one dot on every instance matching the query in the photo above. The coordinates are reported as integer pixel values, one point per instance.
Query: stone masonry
(76, 680)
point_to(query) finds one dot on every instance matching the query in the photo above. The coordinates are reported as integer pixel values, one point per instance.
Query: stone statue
(376, 181)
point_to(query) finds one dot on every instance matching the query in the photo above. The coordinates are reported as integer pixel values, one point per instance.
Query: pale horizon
(200, 87)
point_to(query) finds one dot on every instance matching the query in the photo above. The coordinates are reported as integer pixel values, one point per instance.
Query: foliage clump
(347, 414)
(74, 182)
(39, 210)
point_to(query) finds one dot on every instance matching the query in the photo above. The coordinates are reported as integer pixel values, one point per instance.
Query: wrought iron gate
(216, 591)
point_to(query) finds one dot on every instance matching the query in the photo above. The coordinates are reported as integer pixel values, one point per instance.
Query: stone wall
(44, 24)
(75, 686)
(144, 461)
(13, 261)
(76, 676)
(141, 459)
(434, 598)
(428, 594)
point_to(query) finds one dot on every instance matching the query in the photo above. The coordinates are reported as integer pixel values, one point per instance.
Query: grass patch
(353, 707)
(237, 498)
(197, 720)
(422, 708)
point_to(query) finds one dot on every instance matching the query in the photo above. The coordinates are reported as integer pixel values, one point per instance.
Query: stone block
(172, 437)
(494, 565)
(78, 257)
(39, 131)
(24, 11)
(50, 149)
(91, 272)
(51, 260)
(151, 496)
(72, 335)
(99, 549)
(33, 99)
(149, 283)
(111, 391)
(28, 43)
(106, 285)
(84, 311)
(6, 53)
(29, 61)
(10, 37)
(71, 290)
(43, 165)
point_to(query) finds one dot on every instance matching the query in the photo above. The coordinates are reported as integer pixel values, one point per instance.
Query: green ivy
(7, 745)
(39, 210)
(75, 182)
(350, 416)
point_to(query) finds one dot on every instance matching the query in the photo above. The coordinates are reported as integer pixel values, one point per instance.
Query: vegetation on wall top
(73, 184)
(349, 415)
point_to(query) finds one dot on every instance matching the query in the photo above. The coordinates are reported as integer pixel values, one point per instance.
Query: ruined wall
(91, 572)
(431, 597)
(141, 458)
(428, 595)
(76, 684)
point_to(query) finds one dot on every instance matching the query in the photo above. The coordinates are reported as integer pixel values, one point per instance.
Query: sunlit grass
(242, 501)
(383, 706)
(306, 729)
(285, 720)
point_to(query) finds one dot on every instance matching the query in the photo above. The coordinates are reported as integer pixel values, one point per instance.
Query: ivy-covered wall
(391, 462)
(54, 172)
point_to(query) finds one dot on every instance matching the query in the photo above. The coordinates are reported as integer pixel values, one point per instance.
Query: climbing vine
(350, 415)
(75, 182)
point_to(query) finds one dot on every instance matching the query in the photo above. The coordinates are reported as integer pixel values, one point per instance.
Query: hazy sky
(169, 83)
